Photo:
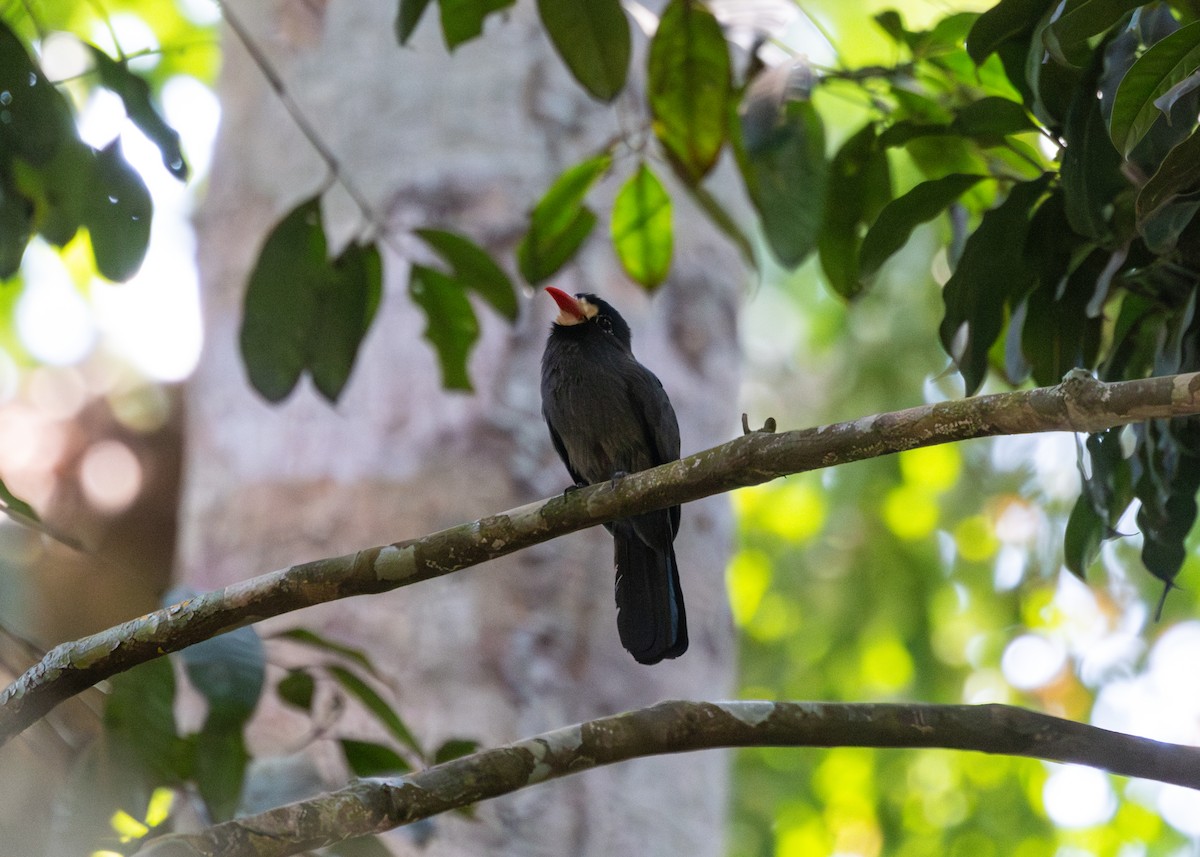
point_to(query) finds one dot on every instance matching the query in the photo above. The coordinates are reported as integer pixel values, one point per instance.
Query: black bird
(608, 416)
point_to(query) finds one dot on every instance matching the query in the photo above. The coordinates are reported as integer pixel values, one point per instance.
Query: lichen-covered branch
(372, 806)
(1078, 404)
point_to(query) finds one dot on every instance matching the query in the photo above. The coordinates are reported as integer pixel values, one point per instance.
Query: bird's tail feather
(650, 615)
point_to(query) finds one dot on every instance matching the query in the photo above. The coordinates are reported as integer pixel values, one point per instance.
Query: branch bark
(1080, 404)
(373, 806)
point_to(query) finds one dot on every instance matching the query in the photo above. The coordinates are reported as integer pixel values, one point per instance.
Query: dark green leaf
(462, 20)
(1091, 175)
(281, 301)
(560, 223)
(1167, 488)
(786, 178)
(451, 326)
(992, 118)
(1058, 334)
(117, 211)
(228, 671)
(220, 769)
(345, 306)
(1007, 20)
(296, 689)
(991, 269)
(1052, 84)
(1066, 38)
(64, 185)
(368, 759)
(312, 638)
(139, 717)
(641, 228)
(1157, 71)
(895, 224)
(407, 17)
(593, 40)
(134, 92)
(474, 269)
(35, 119)
(16, 228)
(1177, 176)
(859, 187)
(455, 748)
(375, 704)
(689, 87)
(1081, 541)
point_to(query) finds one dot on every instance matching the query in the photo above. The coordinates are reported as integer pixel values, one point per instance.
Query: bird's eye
(605, 323)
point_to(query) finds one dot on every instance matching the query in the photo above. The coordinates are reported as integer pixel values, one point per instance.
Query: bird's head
(585, 313)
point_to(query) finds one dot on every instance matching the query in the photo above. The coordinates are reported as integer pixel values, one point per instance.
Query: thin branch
(1080, 403)
(373, 806)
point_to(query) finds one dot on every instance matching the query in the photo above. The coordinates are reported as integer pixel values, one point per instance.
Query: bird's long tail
(650, 615)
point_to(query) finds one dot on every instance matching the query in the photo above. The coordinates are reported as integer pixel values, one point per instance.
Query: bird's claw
(768, 426)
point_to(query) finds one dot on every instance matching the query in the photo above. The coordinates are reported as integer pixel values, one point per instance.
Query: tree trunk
(529, 642)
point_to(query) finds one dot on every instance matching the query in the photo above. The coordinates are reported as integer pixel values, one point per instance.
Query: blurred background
(935, 575)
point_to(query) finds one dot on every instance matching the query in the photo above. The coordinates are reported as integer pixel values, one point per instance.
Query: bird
(608, 416)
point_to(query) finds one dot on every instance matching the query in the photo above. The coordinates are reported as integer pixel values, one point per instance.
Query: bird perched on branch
(609, 416)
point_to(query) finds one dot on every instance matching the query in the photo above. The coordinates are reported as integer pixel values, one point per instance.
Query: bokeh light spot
(933, 467)
(747, 580)
(110, 475)
(910, 512)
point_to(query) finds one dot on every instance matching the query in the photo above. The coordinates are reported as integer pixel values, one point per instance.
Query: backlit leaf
(689, 87)
(641, 228)
(560, 222)
(593, 40)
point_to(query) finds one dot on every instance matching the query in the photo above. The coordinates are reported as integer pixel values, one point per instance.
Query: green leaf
(786, 177)
(991, 269)
(641, 228)
(1178, 176)
(992, 118)
(296, 689)
(474, 269)
(560, 223)
(139, 716)
(689, 87)
(408, 15)
(37, 118)
(455, 748)
(117, 211)
(345, 307)
(859, 187)
(228, 671)
(64, 183)
(281, 301)
(1067, 37)
(1159, 69)
(451, 326)
(368, 759)
(375, 704)
(312, 638)
(1091, 168)
(134, 92)
(220, 769)
(1167, 488)
(1081, 541)
(593, 40)
(16, 228)
(895, 224)
(360, 846)
(1007, 20)
(462, 20)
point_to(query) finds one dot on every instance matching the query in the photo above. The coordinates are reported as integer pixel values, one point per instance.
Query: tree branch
(1080, 403)
(372, 806)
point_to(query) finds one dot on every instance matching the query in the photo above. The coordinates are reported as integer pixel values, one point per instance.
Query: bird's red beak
(566, 303)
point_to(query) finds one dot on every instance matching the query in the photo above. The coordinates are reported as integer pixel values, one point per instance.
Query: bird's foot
(571, 489)
(617, 476)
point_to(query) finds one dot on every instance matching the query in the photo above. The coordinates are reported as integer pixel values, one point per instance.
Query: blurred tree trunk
(527, 643)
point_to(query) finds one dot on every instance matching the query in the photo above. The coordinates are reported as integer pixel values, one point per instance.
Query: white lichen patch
(393, 563)
(751, 712)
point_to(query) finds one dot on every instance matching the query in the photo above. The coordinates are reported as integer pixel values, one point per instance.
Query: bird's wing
(561, 449)
(654, 412)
